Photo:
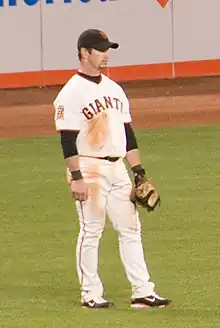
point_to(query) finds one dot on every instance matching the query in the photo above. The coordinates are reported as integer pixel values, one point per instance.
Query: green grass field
(38, 282)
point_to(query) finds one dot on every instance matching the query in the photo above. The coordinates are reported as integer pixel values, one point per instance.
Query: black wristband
(139, 174)
(76, 175)
(138, 170)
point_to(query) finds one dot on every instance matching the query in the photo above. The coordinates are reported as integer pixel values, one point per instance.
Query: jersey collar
(95, 79)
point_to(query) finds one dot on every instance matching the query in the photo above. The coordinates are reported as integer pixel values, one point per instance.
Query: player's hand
(79, 190)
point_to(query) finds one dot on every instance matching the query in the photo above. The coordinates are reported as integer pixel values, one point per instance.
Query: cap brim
(114, 45)
(104, 46)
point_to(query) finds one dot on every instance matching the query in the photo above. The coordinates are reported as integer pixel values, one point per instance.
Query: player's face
(98, 59)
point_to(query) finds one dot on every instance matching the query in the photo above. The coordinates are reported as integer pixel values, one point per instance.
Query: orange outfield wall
(122, 73)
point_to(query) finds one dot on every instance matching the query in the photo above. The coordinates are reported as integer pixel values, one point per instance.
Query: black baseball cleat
(150, 301)
(97, 303)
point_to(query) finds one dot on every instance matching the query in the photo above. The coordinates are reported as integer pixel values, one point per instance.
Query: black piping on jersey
(130, 137)
(68, 143)
(95, 79)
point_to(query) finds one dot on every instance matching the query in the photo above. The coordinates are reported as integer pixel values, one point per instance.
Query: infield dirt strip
(29, 112)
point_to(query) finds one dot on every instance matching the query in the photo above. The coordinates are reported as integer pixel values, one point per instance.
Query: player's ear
(84, 53)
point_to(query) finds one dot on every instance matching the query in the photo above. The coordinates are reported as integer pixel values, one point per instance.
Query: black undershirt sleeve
(130, 137)
(68, 143)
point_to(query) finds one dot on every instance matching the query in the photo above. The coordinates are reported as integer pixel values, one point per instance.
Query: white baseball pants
(109, 194)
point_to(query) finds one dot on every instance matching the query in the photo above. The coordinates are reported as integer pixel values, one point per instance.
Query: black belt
(109, 158)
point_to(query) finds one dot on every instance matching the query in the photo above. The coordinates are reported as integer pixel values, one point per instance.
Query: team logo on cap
(103, 35)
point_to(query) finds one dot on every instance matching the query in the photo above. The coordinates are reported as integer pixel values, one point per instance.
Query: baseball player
(93, 117)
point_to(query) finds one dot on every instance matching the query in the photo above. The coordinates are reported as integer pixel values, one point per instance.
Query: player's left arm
(144, 193)
(133, 153)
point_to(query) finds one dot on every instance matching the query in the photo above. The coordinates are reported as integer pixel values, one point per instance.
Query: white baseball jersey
(98, 112)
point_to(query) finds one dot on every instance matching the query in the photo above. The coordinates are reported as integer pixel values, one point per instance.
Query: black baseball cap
(95, 39)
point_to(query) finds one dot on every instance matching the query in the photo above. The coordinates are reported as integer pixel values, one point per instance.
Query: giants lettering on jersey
(100, 105)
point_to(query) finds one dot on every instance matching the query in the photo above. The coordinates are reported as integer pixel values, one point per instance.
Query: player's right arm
(74, 176)
(67, 121)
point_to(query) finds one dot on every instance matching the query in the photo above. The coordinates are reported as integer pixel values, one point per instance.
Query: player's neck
(88, 70)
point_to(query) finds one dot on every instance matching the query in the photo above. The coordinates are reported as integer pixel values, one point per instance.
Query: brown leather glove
(144, 194)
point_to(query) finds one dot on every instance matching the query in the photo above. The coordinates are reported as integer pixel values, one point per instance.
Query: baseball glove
(145, 194)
